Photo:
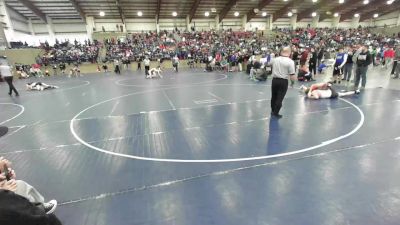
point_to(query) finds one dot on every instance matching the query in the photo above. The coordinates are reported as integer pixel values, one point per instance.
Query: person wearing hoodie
(363, 60)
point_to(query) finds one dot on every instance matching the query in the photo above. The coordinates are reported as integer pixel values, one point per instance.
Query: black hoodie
(17, 210)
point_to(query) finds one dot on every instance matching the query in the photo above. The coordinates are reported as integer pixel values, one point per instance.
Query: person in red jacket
(389, 57)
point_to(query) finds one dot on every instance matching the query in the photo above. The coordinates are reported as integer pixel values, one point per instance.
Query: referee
(5, 72)
(283, 69)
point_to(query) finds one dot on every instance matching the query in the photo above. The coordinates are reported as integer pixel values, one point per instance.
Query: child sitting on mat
(322, 67)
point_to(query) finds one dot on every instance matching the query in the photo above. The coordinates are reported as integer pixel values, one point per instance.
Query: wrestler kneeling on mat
(154, 73)
(324, 90)
(39, 86)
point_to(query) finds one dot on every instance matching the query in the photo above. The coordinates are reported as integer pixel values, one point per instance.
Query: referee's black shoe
(276, 115)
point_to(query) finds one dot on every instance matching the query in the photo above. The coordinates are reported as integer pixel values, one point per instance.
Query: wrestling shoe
(357, 91)
(50, 207)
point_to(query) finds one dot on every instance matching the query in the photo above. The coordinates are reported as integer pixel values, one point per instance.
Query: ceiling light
(336, 14)
(365, 2)
(236, 14)
(214, 10)
(376, 15)
(341, 1)
(356, 15)
(314, 1)
(290, 14)
(140, 13)
(285, 0)
(207, 14)
(314, 14)
(174, 14)
(264, 14)
(256, 10)
(101, 13)
(389, 2)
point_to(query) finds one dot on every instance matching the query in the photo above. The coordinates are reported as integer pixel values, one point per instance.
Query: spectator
(348, 67)
(175, 63)
(313, 63)
(362, 62)
(19, 187)
(320, 56)
(17, 210)
(117, 69)
(388, 56)
(340, 61)
(396, 60)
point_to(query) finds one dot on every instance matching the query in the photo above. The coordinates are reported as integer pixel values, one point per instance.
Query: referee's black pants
(279, 89)
(9, 81)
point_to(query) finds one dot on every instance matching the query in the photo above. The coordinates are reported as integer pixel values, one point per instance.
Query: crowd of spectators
(69, 53)
(228, 50)
(185, 45)
(234, 46)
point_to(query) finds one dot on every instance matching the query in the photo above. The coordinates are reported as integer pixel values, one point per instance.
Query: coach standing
(5, 72)
(283, 69)
(363, 60)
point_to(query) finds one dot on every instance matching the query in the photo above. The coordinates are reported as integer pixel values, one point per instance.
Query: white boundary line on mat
(20, 112)
(324, 143)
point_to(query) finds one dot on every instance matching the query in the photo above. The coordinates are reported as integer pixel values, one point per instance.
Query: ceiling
(123, 9)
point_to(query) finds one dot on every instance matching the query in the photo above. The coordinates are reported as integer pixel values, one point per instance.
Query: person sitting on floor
(322, 67)
(254, 69)
(62, 68)
(47, 73)
(74, 72)
(190, 61)
(22, 74)
(77, 70)
(154, 73)
(32, 72)
(36, 72)
(19, 187)
(323, 91)
(224, 65)
(105, 67)
(304, 73)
